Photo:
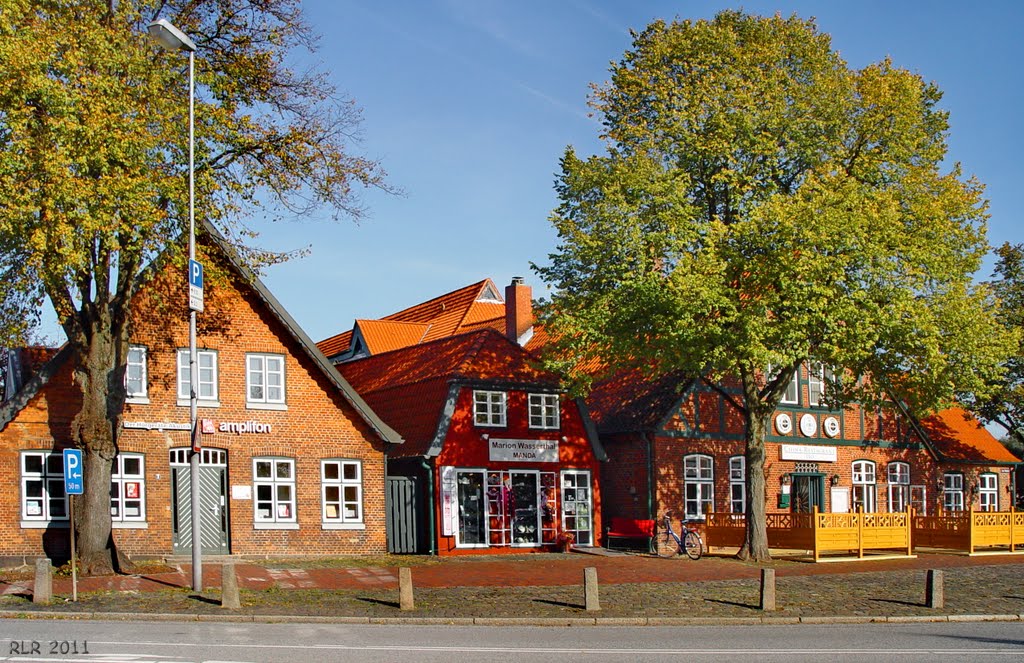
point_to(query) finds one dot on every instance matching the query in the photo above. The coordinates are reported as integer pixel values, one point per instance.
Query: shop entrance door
(576, 506)
(472, 530)
(525, 514)
(808, 492)
(213, 483)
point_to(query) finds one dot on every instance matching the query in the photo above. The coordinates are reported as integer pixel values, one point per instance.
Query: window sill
(44, 524)
(137, 524)
(266, 406)
(339, 526)
(137, 400)
(275, 526)
(199, 402)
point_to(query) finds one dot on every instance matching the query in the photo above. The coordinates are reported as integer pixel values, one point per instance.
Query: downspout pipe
(651, 483)
(431, 507)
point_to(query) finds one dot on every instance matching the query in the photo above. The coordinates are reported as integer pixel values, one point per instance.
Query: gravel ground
(975, 590)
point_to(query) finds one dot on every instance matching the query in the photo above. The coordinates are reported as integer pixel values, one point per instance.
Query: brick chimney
(518, 311)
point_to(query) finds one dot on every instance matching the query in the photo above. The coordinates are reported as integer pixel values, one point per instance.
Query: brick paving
(551, 586)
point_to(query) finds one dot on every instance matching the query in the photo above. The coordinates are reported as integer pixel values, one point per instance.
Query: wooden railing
(817, 532)
(970, 530)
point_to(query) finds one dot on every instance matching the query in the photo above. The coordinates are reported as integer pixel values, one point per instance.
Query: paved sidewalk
(549, 587)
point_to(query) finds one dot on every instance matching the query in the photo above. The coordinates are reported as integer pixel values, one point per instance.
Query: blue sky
(470, 103)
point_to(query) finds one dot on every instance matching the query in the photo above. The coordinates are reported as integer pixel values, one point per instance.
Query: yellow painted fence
(971, 530)
(817, 532)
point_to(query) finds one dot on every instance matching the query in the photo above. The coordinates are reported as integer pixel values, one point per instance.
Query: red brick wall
(624, 477)
(317, 424)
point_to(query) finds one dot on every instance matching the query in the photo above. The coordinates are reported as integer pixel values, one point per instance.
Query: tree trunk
(755, 545)
(94, 430)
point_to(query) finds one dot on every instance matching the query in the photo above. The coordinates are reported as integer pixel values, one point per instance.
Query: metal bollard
(590, 597)
(406, 601)
(768, 589)
(42, 591)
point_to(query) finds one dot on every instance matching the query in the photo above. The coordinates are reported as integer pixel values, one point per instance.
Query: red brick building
(292, 460)
(495, 457)
(678, 444)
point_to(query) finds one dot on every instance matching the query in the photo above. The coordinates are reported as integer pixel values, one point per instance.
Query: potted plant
(565, 541)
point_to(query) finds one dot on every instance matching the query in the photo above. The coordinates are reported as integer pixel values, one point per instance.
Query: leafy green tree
(1006, 404)
(760, 203)
(93, 166)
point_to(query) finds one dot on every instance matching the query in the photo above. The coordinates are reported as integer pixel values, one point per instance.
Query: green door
(808, 492)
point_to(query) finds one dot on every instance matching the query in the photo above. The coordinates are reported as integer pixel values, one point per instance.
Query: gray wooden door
(403, 515)
(213, 483)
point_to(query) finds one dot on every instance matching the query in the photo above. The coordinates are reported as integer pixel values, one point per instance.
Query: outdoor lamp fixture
(835, 479)
(785, 479)
(173, 39)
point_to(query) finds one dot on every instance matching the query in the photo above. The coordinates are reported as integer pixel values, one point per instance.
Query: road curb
(509, 621)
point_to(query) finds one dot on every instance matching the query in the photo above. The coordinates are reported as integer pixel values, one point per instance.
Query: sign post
(73, 485)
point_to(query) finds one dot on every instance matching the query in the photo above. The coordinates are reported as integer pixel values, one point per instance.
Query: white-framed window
(135, 376)
(264, 379)
(953, 491)
(544, 411)
(898, 479)
(988, 491)
(42, 487)
(489, 408)
(698, 485)
(818, 378)
(274, 487)
(341, 490)
(128, 488)
(792, 395)
(206, 381)
(738, 484)
(864, 486)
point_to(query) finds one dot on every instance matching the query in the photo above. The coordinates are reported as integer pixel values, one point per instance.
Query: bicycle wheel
(666, 544)
(694, 546)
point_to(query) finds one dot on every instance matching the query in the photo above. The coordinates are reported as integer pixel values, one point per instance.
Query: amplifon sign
(523, 451)
(240, 427)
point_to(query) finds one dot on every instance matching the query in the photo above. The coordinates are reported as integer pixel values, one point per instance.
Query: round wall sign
(784, 423)
(808, 425)
(831, 426)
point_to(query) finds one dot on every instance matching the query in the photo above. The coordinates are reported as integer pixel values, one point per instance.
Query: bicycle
(670, 544)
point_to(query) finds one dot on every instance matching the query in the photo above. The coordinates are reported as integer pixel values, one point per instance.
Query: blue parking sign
(73, 484)
(195, 285)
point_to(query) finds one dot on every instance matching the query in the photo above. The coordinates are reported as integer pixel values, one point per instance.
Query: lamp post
(171, 38)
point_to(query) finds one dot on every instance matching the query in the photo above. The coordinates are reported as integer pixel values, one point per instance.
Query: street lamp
(173, 39)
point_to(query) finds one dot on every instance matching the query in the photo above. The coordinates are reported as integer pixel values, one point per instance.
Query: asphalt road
(172, 642)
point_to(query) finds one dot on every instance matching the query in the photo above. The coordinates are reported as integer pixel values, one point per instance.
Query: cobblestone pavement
(551, 586)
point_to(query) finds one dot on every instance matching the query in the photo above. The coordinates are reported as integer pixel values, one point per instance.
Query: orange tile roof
(335, 344)
(631, 401)
(956, 435)
(385, 335)
(466, 309)
(408, 387)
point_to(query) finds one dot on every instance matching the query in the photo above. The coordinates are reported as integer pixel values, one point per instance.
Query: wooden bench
(630, 528)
